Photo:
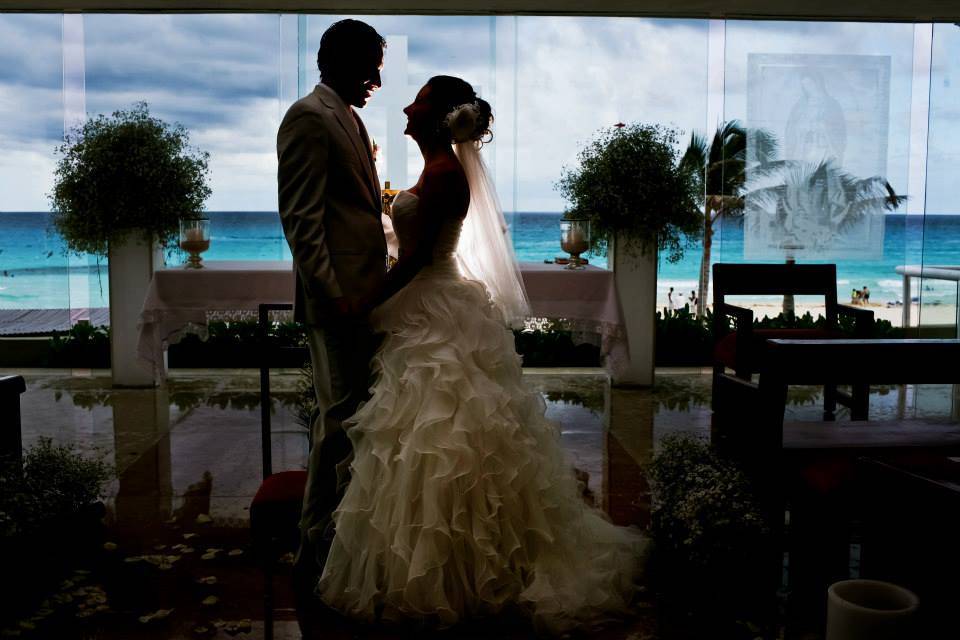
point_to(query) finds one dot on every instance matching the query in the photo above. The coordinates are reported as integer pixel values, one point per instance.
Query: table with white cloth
(183, 301)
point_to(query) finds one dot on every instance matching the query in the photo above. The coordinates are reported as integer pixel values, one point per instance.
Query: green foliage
(83, 345)
(126, 175)
(630, 182)
(685, 339)
(55, 483)
(703, 507)
(229, 344)
(553, 346)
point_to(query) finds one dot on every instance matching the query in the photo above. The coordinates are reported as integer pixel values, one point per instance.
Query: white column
(636, 280)
(131, 267)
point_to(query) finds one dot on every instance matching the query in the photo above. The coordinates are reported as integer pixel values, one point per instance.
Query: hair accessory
(462, 121)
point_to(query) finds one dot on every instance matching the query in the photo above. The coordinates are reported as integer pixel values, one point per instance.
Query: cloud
(216, 56)
(30, 55)
(219, 75)
(577, 75)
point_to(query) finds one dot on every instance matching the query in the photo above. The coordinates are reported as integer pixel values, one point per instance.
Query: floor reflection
(187, 461)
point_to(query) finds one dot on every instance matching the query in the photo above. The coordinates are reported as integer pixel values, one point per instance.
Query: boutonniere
(375, 148)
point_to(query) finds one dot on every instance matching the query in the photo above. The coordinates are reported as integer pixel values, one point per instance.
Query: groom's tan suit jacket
(330, 204)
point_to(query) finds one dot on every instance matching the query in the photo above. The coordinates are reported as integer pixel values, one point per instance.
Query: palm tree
(818, 202)
(814, 204)
(721, 170)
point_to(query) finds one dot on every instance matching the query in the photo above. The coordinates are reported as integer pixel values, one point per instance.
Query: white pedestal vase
(870, 610)
(130, 265)
(635, 274)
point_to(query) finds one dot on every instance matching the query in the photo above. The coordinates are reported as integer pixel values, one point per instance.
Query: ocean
(35, 273)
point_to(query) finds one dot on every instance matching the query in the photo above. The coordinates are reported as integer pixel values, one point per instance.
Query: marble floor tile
(192, 449)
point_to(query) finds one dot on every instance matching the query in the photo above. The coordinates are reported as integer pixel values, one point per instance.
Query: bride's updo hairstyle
(463, 116)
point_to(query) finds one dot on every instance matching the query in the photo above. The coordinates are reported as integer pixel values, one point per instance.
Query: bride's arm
(441, 196)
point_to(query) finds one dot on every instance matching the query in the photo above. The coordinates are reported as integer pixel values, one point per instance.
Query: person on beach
(854, 296)
(671, 305)
(865, 295)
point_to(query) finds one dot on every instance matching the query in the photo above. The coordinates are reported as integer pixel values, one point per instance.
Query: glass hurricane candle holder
(194, 239)
(575, 239)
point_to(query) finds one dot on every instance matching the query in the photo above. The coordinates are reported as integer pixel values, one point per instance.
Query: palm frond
(695, 155)
(763, 145)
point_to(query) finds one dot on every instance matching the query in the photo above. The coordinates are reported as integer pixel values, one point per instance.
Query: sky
(553, 82)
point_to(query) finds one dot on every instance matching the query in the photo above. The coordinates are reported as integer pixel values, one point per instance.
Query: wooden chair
(812, 465)
(742, 349)
(275, 509)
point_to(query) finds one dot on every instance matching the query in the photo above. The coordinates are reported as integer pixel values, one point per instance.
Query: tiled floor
(193, 449)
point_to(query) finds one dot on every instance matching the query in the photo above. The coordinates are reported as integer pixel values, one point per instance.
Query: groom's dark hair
(343, 40)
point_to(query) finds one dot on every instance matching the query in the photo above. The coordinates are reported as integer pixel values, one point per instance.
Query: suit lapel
(350, 127)
(371, 166)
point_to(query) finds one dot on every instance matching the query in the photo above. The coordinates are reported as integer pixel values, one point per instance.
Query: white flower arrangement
(462, 121)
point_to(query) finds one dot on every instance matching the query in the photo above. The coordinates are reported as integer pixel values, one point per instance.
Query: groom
(330, 207)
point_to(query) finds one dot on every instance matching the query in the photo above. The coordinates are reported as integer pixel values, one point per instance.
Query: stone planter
(131, 266)
(635, 275)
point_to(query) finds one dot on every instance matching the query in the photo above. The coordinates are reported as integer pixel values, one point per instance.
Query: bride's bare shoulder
(447, 170)
(446, 180)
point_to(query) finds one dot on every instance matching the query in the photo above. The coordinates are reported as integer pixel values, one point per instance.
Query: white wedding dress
(461, 503)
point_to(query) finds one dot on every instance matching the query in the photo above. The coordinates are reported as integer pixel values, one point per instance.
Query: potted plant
(640, 200)
(121, 186)
(710, 538)
(50, 520)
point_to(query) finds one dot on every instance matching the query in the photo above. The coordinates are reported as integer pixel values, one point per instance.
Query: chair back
(270, 357)
(11, 438)
(777, 279)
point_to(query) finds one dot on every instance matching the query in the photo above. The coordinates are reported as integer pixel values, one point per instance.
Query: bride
(461, 503)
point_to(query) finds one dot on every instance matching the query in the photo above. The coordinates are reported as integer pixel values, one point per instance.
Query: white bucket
(870, 610)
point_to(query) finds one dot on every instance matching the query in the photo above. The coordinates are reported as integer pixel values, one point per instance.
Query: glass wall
(218, 75)
(847, 107)
(33, 268)
(936, 294)
(575, 76)
(828, 110)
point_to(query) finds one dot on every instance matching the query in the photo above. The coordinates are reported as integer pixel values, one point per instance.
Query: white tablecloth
(181, 301)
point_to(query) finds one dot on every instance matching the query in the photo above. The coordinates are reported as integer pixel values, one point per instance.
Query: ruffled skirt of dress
(461, 503)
